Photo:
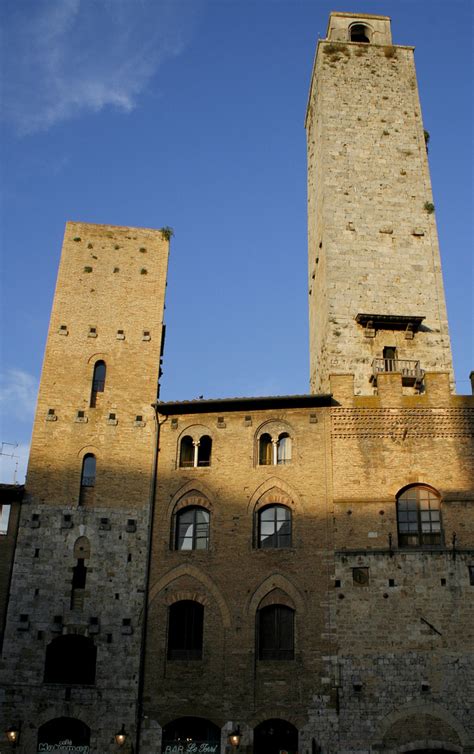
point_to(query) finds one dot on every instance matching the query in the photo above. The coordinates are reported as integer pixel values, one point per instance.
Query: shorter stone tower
(376, 297)
(78, 586)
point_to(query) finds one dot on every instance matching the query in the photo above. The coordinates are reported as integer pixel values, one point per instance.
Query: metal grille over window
(419, 518)
(192, 529)
(274, 527)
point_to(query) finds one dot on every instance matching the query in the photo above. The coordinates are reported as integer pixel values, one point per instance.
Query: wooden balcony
(410, 370)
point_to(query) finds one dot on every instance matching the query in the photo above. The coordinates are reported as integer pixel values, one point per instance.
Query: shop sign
(63, 747)
(191, 747)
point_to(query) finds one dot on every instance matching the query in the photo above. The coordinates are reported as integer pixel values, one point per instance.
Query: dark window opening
(390, 358)
(192, 529)
(274, 527)
(79, 575)
(265, 452)
(360, 33)
(186, 455)
(471, 575)
(196, 733)
(53, 735)
(185, 630)
(87, 479)
(419, 518)
(204, 451)
(276, 633)
(98, 381)
(70, 660)
(276, 736)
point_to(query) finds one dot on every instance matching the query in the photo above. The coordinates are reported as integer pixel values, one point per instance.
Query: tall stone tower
(77, 596)
(376, 298)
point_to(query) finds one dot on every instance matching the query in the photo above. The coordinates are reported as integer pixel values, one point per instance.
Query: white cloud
(64, 58)
(18, 391)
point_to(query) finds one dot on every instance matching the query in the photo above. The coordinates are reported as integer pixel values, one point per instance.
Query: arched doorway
(187, 734)
(64, 730)
(275, 736)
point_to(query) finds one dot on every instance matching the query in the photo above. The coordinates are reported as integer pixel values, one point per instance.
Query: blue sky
(190, 114)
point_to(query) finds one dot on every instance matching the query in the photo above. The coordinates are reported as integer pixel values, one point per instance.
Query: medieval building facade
(266, 574)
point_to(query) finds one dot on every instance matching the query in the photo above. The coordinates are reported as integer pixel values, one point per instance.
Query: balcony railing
(411, 372)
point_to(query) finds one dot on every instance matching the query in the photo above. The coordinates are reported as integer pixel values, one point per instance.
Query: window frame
(419, 534)
(97, 385)
(195, 526)
(289, 535)
(91, 478)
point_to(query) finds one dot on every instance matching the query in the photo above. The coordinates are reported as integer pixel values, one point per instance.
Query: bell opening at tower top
(359, 33)
(359, 28)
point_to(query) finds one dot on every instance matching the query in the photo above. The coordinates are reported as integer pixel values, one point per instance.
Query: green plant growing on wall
(429, 207)
(426, 134)
(167, 233)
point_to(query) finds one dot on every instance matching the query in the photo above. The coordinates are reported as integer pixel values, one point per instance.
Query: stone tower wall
(110, 279)
(373, 246)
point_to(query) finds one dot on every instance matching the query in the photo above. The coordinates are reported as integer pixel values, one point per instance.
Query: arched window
(265, 450)
(53, 733)
(274, 736)
(186, 451)
(360, 33)
(275, 631)
(70, 660)
(200, 735)
(284, 448)
(192, 529)
(87, 479)
(193, 453)
(274, 527)
(274, 449)
(204, 451)
(98, 381)
(185, 630)
(419, 517)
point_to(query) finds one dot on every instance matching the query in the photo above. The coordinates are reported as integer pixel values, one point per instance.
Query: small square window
(92, 332)
(391, 582)
(81, 417)
(131, 525)
(337, 583)
(120, 335)
(112, 416)
(146, 335)
(313, 419)
(174, 424)
(93, 621)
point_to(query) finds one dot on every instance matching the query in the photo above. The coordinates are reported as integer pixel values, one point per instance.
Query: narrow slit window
(98, 381)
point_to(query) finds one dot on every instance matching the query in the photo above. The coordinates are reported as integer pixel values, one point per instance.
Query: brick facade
(295, 569)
